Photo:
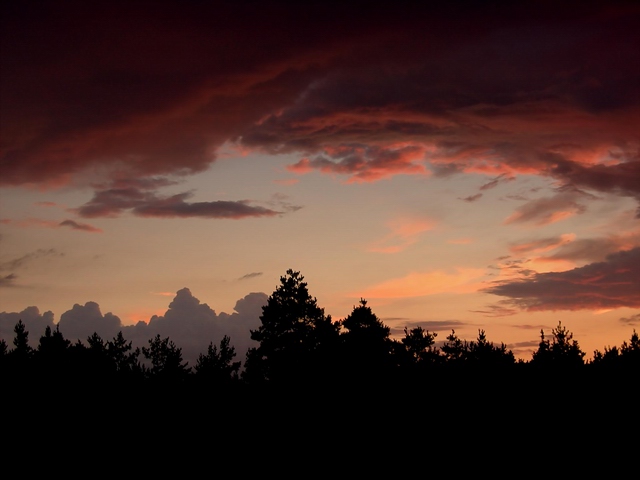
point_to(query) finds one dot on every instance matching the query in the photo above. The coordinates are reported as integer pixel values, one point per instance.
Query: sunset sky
(460, 165)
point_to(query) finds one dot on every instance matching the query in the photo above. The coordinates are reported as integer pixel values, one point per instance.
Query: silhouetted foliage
(420, 347)
(22, 351)
(625, 358)
(366, 346)
(166, 360)
(454, 349)
(125, 358)
(562, 351)
(485, 354)
(295, 336)
(299, 345)
(217, 365)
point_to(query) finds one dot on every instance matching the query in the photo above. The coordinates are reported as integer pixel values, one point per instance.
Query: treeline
(297, 344)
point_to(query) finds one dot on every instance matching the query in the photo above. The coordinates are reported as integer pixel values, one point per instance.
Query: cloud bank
(190, 324)
(453, 87)
(613, 283)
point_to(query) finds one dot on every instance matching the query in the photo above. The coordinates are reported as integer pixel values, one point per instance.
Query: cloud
(366, 163)
(547, 210)
(632, 320)
(613, 283)
(193, 325)
(35, 323)
(472, 198)
(85, 227)
(494, 183)
(190, 324)
(24, 262)
(250, 275)
(442, 87)
(542, 244)
(112, 202)
(83, 320)
(430, 325)
(461, 280)
(404, 233)
(8, 280)
(497, 310)
(37, 222)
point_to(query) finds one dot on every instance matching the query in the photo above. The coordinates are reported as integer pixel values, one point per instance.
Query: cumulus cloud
(83, 320)
(35, 323)
(612, 283)
(190, 324)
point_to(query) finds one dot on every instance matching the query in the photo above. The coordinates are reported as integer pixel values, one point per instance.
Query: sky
(460, 165)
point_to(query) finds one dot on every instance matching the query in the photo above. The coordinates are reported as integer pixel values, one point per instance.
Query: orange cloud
(404, 232)
(462, 280)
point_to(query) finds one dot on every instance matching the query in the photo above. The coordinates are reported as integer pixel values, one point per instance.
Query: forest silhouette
(300, 348)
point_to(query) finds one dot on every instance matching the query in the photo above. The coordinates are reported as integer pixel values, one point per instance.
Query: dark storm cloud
(613, 283)
(148, 88)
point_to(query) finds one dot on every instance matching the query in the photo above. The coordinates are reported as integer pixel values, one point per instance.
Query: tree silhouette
(166, 360)
(627, 357)
(454, 349)
(366, 346)
(485, 354)
(217, 365)
(562, 351)
(21, 351)
(125, 358)
(419, 344)
(296, 339)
